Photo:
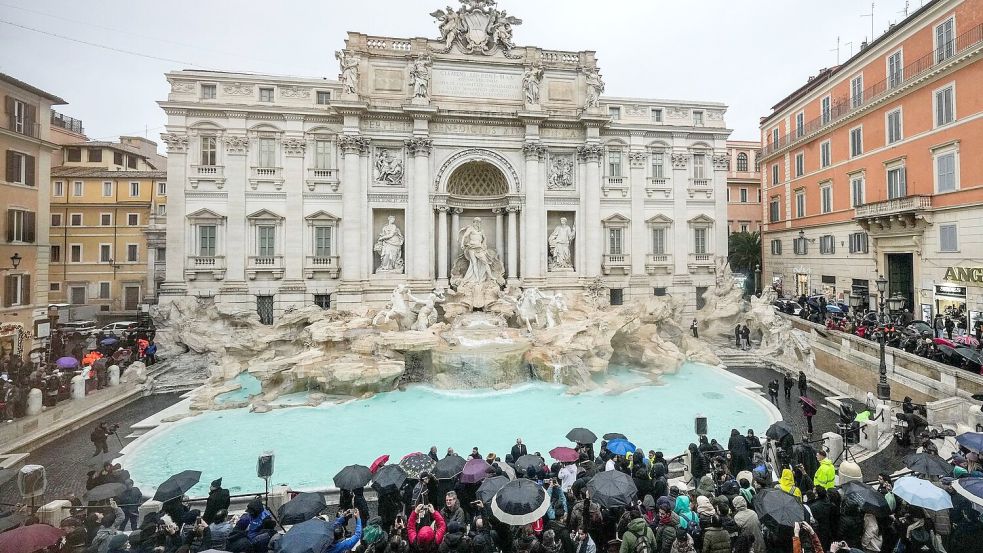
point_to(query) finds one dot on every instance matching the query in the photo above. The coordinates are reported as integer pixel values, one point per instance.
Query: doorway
(131, 298)
(264, 307)
(801, 284)
(900, 277)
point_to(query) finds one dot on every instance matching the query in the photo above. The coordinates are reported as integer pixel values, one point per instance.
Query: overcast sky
(746, 53)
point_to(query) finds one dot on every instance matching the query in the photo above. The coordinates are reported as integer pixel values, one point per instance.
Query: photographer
(100, 435)
(340, 546)
(425, 538)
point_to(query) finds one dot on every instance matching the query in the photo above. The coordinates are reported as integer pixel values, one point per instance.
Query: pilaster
(591, 154)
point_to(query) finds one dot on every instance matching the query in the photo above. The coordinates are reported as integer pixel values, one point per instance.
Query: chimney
(863, 45)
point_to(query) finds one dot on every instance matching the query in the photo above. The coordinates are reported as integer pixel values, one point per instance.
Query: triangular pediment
(264, 214)
(616, 218)
(321, 215)
(659, 219)
(205, 213)
(701, 218)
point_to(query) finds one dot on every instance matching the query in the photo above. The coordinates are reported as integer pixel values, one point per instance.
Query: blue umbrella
(312, 536)
(970, 488)
(621, 446)
(109, 341)
(922, 493)
(830, 308)
(971, 440)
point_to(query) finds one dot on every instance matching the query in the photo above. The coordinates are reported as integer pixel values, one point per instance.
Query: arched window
(742, 162)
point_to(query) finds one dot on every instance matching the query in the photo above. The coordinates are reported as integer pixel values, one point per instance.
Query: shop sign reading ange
(964, 274)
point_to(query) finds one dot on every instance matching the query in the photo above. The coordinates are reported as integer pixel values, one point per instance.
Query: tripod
(844, 431)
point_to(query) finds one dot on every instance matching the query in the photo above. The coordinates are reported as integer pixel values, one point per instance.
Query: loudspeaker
(264, 465)
(701, 426)
(31, 481)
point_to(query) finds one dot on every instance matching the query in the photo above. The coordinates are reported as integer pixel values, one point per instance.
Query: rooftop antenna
(837, 50)
(871, 16)
(850, 44)
(905, 10)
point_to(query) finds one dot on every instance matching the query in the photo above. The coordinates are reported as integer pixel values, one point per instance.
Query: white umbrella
(922, 493)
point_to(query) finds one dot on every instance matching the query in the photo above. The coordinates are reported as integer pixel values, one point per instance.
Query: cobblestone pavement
(64, 459)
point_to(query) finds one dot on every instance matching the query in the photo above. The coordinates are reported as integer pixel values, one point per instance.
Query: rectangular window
(323, 97)
(322, 154)
(857, 91)
(776, 247)
(743, 195)
(658, 165)
(614, 164)
(774, 174)
(945, 172)
(894, 126)
(206, 240)
(800, 203)
(657, 115)
(207, 92)
(826, 198)
(700, 241)
(827, 244)
(856, 141)
(133, 219)
(161, 188)
(659, 241)
(20, 168)
(265, 241)
(54, 286)
(104, 290)
(614, 241)
(895, 70)
(800, 164)
(95, 154)
(107, 189)
(56, 219)
(208, 150)
(75, 219)
(825, 108)
(897, 187)
(800, 246)
(699, 166)
(131, 162)
(858, 242)
(21, 226)
(265, 94)
(75, 253)
(106, 219)
(77, 295)
(697, 118)
(267, 151)
(774, 210)
(774, 137)
(614, 113)
(322, 241)
(73, 155)
(948, 238)
(105, 253)
(118, 158)
(825, 154)
(17, 290)
(945, 111)
(55, 253)
(800, 124)
(58, 189)
(134, 189)
(132, 252)
(945, 40)
(161, 209)
(856, 191)
(322, 300)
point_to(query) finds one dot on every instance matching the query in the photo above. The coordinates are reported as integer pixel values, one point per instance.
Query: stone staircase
(739, 359)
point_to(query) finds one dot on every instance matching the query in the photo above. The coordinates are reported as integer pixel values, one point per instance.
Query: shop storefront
(12, 338)
(801, 284)
(950, 299)
(861, 287)
(829, 287)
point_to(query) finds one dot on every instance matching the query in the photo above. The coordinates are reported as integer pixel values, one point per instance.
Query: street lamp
(895, 303)
(855, 301)
(14, 262)
(757, 278)
(883, 388)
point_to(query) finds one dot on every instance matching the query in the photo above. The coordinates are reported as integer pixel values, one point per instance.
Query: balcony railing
(267, 172)
(701, 259)
(615, 181)
(23, 126)
(658, 262)
(844, 106)
(893, 207)
(208, 171)
(616, 262)
(325, 175)
(66, 122)
(700, 183)
(328, 264)
(196, 264)
(264, 263)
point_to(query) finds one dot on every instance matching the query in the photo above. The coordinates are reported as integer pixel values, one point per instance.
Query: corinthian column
(351, 208)
(591, 153)
(639, 238)
(534, 215)
(420, 243)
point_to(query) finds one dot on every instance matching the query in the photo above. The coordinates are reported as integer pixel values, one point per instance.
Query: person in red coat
(426, 538)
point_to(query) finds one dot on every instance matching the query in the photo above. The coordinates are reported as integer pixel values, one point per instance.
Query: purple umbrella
(67, 363)
(475, 470)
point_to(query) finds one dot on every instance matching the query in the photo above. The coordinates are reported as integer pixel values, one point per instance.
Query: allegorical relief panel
(389, 166)
(561, 170)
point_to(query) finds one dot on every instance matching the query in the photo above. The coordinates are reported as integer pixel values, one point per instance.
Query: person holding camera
(100, 435)
(427, 538)
(341, 546)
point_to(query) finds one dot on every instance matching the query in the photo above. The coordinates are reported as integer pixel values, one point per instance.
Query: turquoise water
(249, 386)
(312, 443)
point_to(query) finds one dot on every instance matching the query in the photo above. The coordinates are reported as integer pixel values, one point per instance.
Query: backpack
(641, 543)
(692, 525)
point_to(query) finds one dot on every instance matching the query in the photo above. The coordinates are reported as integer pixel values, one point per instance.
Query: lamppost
(856, 300)
(14, 262)
(883, 388)
(757, 278)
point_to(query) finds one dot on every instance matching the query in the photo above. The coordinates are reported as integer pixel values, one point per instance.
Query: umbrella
(830, 308)
(776, 508)
(303, 507)
(564, 454)
(474, 471)
(448, 467)
(524, 463)
(614, 436)
(971, 440)
(109, 341)
(28, 539)
(312, 536)
(381, 460)
(67, 363)
(928, 464)
(487, 490)
(104, 491)
(779, 431)
(507, 469)
(966, 339)
(943, 342)
(98, 461)
(970, 488)
(866, 497)
(809, 401)
(520, 502)
(417, 463)
(612, 488)
(6, 475)
(922, 493)
(968, 353)
(621, 446)
(177, 485)
(582, 436)
(353, 477)
(389, 478)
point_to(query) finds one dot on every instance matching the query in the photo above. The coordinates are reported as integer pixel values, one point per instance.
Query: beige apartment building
(27, 148)
(743, 186)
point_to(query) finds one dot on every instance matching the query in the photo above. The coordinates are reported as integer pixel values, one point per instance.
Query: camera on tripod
(848, 427)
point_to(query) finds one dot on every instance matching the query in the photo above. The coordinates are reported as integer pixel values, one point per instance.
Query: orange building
(743, 186)
(872, 167)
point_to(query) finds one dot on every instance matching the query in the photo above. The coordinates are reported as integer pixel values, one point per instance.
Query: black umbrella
(104, 491)
(388, 479)
(867, 498)
(312, 536)
(490, 486)
(582, 436)
(448, 467)
(928, 464)
(353, 477)
(177, 485)
(969, 354)
(304, 506)
(778, 431)
(520, 502)
(776, 508)
(612, 488)
(525, 462)
(416, 464)
(12, 520)
(614, 436)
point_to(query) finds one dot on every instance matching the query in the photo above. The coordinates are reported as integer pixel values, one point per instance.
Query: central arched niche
(477, 179)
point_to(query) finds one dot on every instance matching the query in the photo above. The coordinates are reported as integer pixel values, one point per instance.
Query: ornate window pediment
(616, 219)
(658, 220)
(264, 215)
(206, 216)
(701, 220)
(321, 217)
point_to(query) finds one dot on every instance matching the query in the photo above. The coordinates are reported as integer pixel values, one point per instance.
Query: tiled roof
(33, 89)
(99, 172)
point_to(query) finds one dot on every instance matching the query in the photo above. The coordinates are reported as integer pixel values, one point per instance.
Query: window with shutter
(948, 239)
(30, 227)
(29, 170)
(25, 289)
(9, 290)
(11, 214)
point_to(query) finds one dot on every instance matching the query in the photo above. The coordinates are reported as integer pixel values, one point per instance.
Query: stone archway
(477, 179)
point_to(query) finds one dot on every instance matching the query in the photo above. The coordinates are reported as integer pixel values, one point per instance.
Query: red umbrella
(378, 463)
(28, 539)
(944, 342)
(808, 401)
(564, 454)
(967, 340)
